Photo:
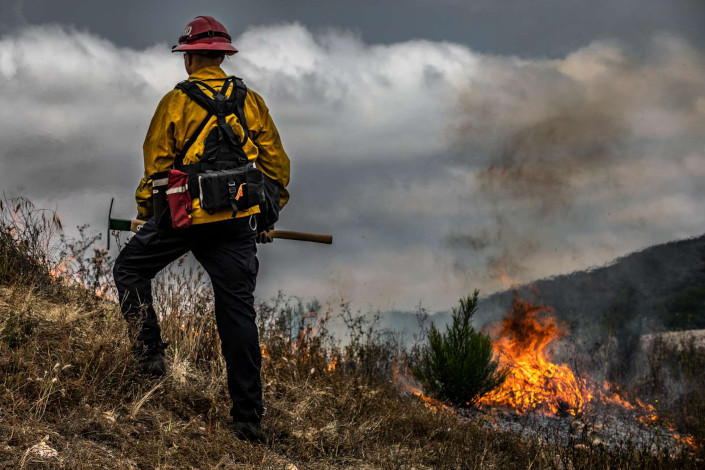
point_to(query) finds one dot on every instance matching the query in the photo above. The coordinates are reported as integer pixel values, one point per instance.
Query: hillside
(659, 288)
(72, 396)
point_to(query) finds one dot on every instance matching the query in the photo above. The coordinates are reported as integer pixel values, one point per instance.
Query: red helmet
(205, 33)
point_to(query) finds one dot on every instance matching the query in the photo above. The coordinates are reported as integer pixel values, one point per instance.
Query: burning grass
(535, 384)
(72, 397)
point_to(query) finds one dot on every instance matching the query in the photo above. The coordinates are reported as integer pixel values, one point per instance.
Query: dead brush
(674, 381)
(71, 395)
(28, 241)
(185, 305)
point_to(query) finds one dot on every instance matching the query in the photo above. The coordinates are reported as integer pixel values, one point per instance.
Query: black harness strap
(193, 90)
(179, 160)
(240, 94)
(220, 106)
(221, 95)
(188, 88)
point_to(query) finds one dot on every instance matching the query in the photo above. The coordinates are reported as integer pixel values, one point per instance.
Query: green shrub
(457, 365)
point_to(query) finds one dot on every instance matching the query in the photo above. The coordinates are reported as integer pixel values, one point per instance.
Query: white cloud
(342, 95)
(433, 165)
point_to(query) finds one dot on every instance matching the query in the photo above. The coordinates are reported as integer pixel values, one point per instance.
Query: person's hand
(264, 236)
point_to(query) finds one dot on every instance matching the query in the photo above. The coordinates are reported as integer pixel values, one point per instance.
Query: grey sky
(508, 27)
(439, 159)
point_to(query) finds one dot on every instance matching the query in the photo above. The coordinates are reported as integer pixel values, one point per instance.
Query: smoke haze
(437, 168)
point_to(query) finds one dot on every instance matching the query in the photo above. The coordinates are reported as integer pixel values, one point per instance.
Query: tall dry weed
(71, 395)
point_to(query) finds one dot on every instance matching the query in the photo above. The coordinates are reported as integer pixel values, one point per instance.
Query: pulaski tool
(133, 225)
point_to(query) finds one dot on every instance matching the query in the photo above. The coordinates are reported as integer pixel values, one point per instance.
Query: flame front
(534, 382)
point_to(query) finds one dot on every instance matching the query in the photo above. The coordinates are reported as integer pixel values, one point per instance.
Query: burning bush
(534, 382)
(457, 365)
(34, 251)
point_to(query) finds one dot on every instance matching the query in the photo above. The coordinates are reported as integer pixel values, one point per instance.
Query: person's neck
(195, 69)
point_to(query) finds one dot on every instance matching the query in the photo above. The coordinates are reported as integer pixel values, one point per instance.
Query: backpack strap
(220, 106)
(193, 91)
(240, 94)
(189, 88)
(226, 106)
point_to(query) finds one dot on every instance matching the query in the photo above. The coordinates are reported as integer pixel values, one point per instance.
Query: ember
(408, 385)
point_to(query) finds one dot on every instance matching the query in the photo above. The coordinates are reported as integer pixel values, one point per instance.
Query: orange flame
(65, 272)
(504, 279)
(61, 270)
(534, 383)
(404, 382)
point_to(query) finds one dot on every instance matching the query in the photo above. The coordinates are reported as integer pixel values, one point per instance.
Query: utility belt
(217, 186)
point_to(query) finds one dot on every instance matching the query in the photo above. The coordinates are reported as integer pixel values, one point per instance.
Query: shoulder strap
(193, 91)
(190, 89)
(179, 160)
(240, 94)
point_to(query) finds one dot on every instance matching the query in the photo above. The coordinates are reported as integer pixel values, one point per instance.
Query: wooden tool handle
(302, 236)
(136, 224)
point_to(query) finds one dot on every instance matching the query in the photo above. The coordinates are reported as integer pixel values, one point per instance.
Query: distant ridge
(659, 288)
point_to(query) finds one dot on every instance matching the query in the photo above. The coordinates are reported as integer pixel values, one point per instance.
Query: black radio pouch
(269, 211)
(162, 215)
(239, 189)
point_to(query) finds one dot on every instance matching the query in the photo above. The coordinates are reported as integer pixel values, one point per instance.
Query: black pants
(227, 251)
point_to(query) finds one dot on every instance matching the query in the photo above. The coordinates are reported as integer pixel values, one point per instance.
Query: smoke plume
(570, 146)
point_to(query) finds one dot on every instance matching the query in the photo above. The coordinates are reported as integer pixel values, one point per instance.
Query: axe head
(123, 225)
(110, 213)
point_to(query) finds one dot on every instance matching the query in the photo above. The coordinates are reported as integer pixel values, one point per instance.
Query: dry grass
(72, 397)
(674, 381)
(67, 374)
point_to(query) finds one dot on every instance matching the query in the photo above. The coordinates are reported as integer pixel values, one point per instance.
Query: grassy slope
(67, 374)
(67, 379)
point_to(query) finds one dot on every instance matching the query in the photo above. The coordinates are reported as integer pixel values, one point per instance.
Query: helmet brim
(228, 49)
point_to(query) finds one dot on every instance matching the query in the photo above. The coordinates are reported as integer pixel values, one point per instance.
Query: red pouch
(179, 199)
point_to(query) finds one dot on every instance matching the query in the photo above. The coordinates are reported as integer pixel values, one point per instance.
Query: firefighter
(209, 128)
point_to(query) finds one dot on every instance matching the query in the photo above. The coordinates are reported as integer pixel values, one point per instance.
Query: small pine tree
(457, 365)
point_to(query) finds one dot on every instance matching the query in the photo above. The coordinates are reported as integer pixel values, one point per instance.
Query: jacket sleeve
(159, 152)
(143, 195)
(272, 160)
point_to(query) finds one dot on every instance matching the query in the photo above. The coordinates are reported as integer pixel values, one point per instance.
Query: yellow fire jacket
(177, 117)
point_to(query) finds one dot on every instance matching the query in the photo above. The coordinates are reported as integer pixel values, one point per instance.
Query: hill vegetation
(661, 288)
(72, 396)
